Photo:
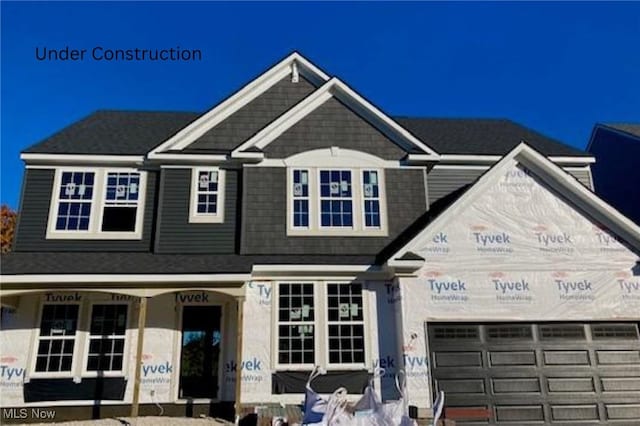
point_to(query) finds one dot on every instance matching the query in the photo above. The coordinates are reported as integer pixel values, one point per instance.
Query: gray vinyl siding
(34, 216)
(258, 113)
(583, 176)
(442, 182)
(176, 235)
(333, 124)
(265, 221)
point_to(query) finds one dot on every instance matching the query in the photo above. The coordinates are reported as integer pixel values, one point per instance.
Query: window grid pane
(371, 197)
(345, 323)
(300, 198)
(296, 315)
(106, 338)
(336, 198)
(74, 205)
(207, 192)
(57, 338)
(122, 188)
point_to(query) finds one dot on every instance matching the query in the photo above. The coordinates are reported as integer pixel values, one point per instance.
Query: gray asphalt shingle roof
(472, 136)
(17, 263)
(115, 133)
(138, 132)
(631, 128)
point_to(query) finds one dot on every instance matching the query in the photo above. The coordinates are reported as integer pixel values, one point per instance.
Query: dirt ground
(141, 421)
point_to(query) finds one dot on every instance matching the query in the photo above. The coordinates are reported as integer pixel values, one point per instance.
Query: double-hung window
(75, 194)
(336, 199)
(332, 201)
(97, 204)
(70, 344)
(107, 337)
(371, 198)
(300, 194)
(57, 339)
(207, 195)
(320, 324)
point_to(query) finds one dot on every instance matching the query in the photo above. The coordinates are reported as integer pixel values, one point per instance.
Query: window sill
(333, 232)
(206, 219)
(93, 236)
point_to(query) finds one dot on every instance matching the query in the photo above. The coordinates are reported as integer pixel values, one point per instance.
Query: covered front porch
(95, 349)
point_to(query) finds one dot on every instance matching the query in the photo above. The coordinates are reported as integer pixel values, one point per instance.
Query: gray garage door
(546, 373)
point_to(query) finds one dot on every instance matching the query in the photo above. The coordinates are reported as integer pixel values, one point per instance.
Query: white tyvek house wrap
(517, 252)
(257, 328)
(15, 343)
(520, 252)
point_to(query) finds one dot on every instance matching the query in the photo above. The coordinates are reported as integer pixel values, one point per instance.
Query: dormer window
(207, 195)
(97, 204)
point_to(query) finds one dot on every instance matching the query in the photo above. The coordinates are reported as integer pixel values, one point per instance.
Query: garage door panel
(549, 373)
(570, 384)
(458, 359)
(620, 384)
(622, 411)
(619, 357)
(575, 412)
(557, 357)
(464, 386)
(512, 358)
(516, 385)
(519, 413)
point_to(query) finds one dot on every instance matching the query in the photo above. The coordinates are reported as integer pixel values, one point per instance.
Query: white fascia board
(489, 159)
(239, 99)
(191, 158)
(331, 88)
(124, 278)
(529, 157)
(81, 159)
(313, 268)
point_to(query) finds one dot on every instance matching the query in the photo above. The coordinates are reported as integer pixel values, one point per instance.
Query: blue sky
(556, 67)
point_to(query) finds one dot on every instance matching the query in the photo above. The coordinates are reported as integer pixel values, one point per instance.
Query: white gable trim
(338, 89)
(294, 63)
(551, 174)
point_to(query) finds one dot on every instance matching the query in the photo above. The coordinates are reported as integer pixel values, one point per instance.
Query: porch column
(142, 319)
(240, 304)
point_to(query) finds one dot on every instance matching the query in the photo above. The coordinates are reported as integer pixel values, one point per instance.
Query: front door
(200, 352)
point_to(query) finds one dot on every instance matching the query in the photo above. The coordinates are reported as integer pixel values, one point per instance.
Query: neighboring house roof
(466, 136)
(25, 263)
(138, 132)
(630, 128)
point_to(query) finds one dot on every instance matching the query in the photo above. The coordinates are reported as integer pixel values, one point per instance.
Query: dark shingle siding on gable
(257, 114)
(333, 124)
(264, 226)
(176, 235)
(34, 217)
(115, 133)
(482, 136)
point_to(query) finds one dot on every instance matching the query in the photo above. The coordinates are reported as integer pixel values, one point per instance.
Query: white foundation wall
(516, 252)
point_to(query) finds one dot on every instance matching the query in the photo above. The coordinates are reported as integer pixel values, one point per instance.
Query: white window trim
(194, 216)
(382, 205)
(77, 338)
(341, 366)
(97, 206)
(87, 339)
(292, 198)
(358, 229)
(321, 328)
(81, 342)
